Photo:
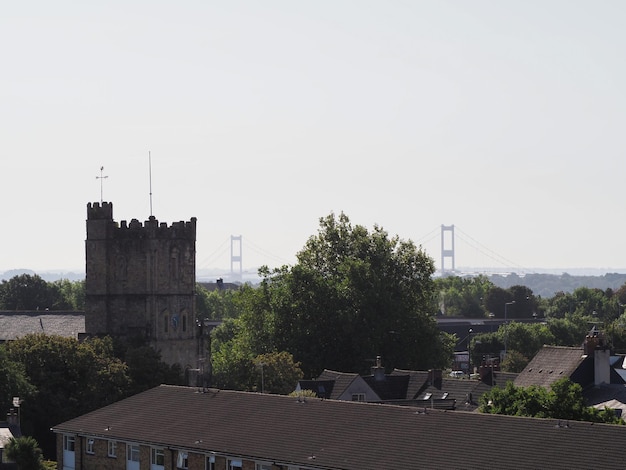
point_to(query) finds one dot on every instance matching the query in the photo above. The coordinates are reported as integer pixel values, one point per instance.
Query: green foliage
(277, 372)
(25, 452)
(306, 393)
(569, 330)
(26, 292)
(563, 401)
(526, 338)
(71, 379)
(514, 361)
(71, 295)
(13, 382)
(146, 370)
(353, 295)
(31, 292)
(462, 296)
(217, 304)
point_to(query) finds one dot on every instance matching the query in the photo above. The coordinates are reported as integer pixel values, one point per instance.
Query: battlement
(100, 211)
(153, 229)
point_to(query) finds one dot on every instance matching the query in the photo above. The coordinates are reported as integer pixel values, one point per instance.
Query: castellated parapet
(140, 282)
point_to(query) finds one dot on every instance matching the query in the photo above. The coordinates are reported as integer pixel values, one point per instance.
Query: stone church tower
(140, 282)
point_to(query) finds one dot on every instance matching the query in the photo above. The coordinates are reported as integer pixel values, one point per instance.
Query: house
(16, 324)
(173, 427)
(588, 365)
(8, 429)
(406, 387)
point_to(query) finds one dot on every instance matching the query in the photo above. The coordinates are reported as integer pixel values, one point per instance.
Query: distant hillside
(546, 285)
(542, 284)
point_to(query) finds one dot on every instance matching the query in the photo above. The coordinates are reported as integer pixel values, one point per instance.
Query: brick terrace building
(170, 427)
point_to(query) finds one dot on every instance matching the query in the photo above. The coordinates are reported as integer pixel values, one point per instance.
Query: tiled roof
(466, 392)
(330, 434)
(417, 381)
(392, 387)
(550, 364)
(16, 324)
(342, 381)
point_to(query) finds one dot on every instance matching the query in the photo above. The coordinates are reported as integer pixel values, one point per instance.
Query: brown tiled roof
(417, 381)
(330, 434)
(550, 364)
(342, 381)
(16, 324)
(391, 387)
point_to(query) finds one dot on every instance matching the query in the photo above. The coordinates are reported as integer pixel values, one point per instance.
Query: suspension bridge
(442, 243)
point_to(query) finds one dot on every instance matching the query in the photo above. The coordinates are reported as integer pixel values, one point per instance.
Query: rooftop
(330, 434)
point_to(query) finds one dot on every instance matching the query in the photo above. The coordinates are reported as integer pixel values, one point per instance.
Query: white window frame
(263, 466)
(234, 464)
(89, 445)
(69, 451)
(358, 397)
(112, 448)
(157, 454)
(132, 451)
(209, 462)
(67, 439)
(182, 460)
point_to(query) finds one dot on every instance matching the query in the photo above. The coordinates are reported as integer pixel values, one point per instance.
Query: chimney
(435, 377)
(12, 418)
(378, 371)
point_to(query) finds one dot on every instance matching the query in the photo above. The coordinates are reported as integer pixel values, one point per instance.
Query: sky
(502, 118)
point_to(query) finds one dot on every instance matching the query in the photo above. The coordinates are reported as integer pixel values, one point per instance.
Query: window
(133, 452)
(263, 466)
(358, 397)
(181, 461)
(427, 396)
(132, 457)
(234, 464)
(157, 458)
(69, 457)
(89, 446)
(210, 463)
(112, 449)
(69, 443)
(184, 322)
(166, 323)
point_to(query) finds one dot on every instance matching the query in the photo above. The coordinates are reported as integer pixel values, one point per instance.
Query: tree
(215, 305)
(25, 452)
(13, 382)
(71, 378)
(564, 400)
(277, 372)
(25, 292)
(352, 295)
(462, 296)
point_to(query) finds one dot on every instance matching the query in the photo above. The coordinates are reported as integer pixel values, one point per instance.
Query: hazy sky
(504, 118)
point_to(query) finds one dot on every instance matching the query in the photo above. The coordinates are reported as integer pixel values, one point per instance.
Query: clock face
(175, 322)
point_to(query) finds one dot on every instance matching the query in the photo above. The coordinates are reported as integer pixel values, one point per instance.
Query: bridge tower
(236, 255)
(447, 247)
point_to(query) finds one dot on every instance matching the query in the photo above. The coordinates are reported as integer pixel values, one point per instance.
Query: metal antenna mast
(150, 168)
(101, 178)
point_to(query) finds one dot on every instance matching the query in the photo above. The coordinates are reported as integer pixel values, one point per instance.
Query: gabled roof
(417, 381)
(466, 392)
(341, 380)
(392, 387)
(550, 364)
(16, 324)
(330, 434)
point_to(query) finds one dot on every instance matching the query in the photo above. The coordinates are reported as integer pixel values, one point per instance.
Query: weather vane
(101, 178)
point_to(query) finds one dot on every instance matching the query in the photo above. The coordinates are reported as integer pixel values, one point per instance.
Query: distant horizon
(217, 272)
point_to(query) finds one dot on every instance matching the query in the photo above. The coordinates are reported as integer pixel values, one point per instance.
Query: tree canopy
(564, 401)
(352, 295)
